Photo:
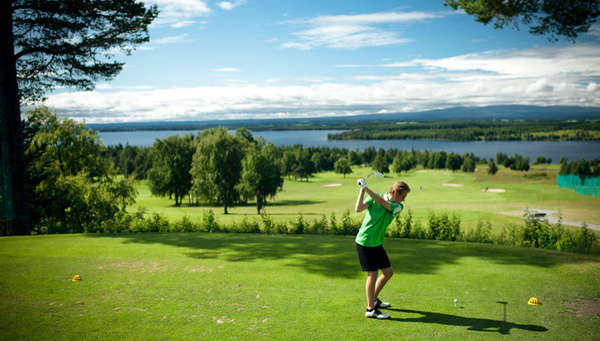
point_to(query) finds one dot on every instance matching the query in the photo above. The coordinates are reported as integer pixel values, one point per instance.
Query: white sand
(453, 185)
(494, 190)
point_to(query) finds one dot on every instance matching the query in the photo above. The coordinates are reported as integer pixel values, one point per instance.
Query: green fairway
(508, 194)
(274, 287)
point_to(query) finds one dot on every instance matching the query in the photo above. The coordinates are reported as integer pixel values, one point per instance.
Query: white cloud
(595, 31)
(227, 69)
(181, 38)
(180, 13)
(344, 37)
(183, 23)
(540, 62)
(105, 86)
(353, 31)
(545, 76)
(541, 85)
(373, 18)
(228, 5)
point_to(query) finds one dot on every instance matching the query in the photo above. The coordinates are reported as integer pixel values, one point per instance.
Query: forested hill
(489, 113)
(456, 130)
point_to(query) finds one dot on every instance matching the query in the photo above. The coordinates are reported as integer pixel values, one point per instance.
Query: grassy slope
(313, 199)
(215, 286)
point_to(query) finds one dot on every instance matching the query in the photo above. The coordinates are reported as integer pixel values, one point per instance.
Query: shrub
(297, 227)
(249, 226)
(209, 222)
(157, 223)
(185, 225)
(267, 223)
(332, 227)
(318, 226)
(442, 226)
(348, 226)
(418, 232)
(585, 239)
(406, 224)
(481, 233)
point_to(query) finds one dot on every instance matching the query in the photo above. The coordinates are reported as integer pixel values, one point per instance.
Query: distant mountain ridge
(497, 112)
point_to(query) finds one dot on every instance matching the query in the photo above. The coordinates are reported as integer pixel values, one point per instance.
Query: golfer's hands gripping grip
(362, 183)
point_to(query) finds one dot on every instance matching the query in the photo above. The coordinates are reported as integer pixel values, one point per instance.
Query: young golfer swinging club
(381, 210)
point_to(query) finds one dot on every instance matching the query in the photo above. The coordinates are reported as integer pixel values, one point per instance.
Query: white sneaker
(376, 314)
(380, 304)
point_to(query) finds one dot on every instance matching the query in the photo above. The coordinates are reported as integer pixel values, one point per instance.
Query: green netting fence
(587, 186)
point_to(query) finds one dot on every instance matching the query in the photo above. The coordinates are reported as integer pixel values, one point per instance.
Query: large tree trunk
(14, 216)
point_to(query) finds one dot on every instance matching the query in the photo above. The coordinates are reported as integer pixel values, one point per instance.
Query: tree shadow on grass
(335, 256)
(474, 324)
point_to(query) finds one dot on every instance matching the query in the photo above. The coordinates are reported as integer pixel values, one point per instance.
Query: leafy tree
(368, 154)
(354, 157)
(453, 161)
(397, 165)
(260, 177)
(288, 163)
(320, 161)
(381, 164)
(492, 168)
(216, 167)
(343, 166)
(45, 43)
(171, 165)
(304, 167)
(244, 135)
(554, 18)
(468, 164)
(501, 158)
(71, 186)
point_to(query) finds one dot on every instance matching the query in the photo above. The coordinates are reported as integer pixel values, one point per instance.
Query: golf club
(377, 174)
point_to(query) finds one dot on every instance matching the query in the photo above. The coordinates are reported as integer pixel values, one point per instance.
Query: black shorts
(372, 258)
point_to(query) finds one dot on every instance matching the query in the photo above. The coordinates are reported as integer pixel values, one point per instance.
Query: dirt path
(552, 217)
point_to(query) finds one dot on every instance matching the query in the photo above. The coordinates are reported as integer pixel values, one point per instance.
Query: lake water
(572, 150)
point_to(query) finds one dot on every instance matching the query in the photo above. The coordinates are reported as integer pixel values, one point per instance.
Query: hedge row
(441, 226)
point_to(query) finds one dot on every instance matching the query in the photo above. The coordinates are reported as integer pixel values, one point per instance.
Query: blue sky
(266, 59)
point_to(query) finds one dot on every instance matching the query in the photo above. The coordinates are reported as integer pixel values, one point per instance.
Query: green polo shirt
(376, 221)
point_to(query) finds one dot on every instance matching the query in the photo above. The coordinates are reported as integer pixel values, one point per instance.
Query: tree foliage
(260, 177)
(216, 167)
(171, 165)
(49, 43)
(554, 18)
(71, 186)
(492, 168)
(343, 166)
(72, 42)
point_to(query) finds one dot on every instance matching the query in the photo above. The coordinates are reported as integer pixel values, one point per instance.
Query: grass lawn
(509, 194)
(194, 286)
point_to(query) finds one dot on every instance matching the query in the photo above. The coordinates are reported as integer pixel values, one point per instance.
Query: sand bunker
(332, 185)
(494, 190)
(453, 185)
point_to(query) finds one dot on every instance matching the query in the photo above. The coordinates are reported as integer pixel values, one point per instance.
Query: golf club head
(376, 173)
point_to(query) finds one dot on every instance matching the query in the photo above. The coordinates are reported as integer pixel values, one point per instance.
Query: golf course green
(229, 286)
(500, 199)
(211, 286)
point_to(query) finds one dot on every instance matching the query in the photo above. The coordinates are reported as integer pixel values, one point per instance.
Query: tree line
(75, 181)
(468, 130)
(582, 168)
